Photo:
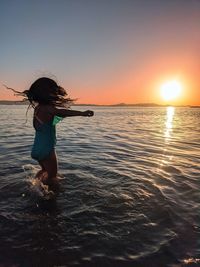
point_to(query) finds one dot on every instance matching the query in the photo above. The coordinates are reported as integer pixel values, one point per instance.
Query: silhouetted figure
(51, 104)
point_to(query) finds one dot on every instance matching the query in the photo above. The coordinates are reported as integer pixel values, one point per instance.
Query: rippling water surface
(129, 193)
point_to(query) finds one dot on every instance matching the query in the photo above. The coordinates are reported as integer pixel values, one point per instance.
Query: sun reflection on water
(169, 123)
(168, 129)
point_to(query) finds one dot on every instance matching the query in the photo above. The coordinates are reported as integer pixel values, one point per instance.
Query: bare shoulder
(51, 109)
(45, 112)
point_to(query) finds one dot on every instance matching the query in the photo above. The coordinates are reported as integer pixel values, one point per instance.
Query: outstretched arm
(62, 112)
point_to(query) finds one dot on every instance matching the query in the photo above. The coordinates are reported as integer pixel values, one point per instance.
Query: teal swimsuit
(45, 139)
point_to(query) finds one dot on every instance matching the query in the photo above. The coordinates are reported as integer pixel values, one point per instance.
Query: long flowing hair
(45, 91)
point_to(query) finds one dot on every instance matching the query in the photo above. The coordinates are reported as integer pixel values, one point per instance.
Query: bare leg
(50, 165)
(40, 173)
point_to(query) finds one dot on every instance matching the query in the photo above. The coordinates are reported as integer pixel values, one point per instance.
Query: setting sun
(171, 90)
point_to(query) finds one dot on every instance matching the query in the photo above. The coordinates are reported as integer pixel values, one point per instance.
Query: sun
(171, 90)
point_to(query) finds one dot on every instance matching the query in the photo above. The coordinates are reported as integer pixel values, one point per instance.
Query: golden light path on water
(168, 130)
(169, 123)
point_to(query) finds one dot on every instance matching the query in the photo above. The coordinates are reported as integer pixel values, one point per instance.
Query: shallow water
(129, 193)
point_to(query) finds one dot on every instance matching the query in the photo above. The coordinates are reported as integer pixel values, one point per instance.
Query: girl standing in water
(50, 104)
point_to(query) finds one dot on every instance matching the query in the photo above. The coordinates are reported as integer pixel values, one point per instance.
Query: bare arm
(62, 112)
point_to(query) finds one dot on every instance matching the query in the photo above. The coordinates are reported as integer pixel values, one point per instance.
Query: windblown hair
(45, 91)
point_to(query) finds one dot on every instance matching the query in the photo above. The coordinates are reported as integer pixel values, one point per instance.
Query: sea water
(129, 193)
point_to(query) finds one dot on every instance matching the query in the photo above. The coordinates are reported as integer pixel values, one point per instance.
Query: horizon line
(18, 102)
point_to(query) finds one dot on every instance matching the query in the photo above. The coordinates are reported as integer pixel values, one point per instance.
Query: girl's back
(45, 136)
(42, 115)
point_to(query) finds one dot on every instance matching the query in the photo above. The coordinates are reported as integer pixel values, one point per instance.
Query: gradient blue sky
(103, 51)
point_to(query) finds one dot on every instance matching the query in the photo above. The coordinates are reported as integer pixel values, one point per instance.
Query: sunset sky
(102, 51)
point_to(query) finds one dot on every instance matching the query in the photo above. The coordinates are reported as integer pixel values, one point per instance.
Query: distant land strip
(12, 102)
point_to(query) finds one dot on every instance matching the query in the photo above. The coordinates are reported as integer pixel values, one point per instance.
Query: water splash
(36, 186)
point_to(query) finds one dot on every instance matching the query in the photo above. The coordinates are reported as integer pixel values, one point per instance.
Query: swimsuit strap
(35, 115)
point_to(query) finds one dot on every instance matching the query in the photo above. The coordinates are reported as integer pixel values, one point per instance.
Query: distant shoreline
(9, 102)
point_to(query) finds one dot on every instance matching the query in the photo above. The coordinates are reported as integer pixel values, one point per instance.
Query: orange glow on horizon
(128, 88)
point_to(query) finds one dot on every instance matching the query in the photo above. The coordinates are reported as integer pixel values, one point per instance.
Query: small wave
(131, 195)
